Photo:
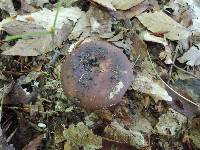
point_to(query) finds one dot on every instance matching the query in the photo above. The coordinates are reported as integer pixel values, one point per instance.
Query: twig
(175, 66)
(172, 65)
(134, 63)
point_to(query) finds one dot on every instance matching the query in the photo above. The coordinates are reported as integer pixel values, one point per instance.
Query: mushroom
(97, 73)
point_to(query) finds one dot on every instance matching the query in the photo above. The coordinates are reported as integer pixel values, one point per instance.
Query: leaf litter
(159, 38)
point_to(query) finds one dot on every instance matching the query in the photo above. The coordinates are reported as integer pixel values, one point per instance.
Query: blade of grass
(57, 12)
(55, 20)
(24, 35)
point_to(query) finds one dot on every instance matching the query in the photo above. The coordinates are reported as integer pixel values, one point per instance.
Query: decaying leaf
(15, 27)
(116, 132)
(132, 12)
(166, 55)
(45, 17)
(118, 4)
(36, 2)
(68, 3)
(3, 143)
(139, 46)
(126, 44)
(82, 28)
(2, 77)
(160, 22)
(195, 136)
(100, 22)
(113, 145)
(125, 4)
(105, 3)
(31, 47)
(171, 123)
(145, 83)
(34, 144)
(3, 140)
(195, 11)
(80, 135)
(4, 21)
(192, 56)
(7, 5)
(32, 76)
(141, 124)
(40, 21)
(58, 134)
(18, 95)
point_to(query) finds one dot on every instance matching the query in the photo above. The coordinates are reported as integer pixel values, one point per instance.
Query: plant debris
(171, 29)
(99, 74)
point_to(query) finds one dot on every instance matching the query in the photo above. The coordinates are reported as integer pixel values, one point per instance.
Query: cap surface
(97, 73)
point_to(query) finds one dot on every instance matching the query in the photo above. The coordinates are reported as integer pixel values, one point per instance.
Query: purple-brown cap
(97, 73)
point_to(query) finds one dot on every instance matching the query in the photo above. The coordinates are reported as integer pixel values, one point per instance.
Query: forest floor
(159, 111)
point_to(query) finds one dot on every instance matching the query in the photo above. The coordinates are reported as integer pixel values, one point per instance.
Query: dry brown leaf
(17, 27)
(18, 95)
(34, 144)
(139, 46)
(132, 12)
(45, 17)
(145, 83)
(105, 3)
(117, 132)
(31, 47)
(118, 4)
(125, 4)
(100, 22)
(159, 22)
(82, 27)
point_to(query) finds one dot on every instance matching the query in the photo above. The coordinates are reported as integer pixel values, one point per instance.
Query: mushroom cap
(97, 73)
